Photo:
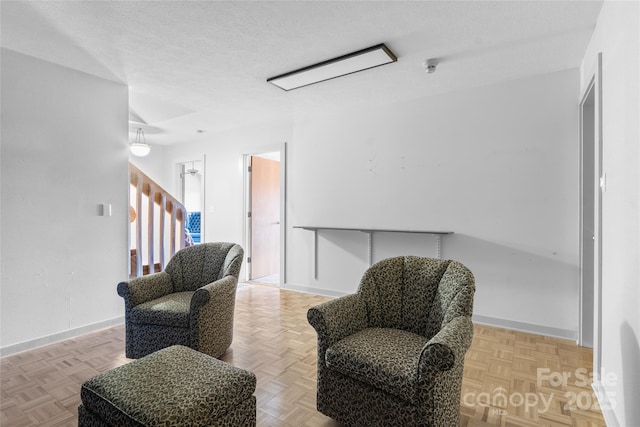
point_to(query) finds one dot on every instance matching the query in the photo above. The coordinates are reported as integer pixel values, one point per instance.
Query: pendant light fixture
(140, 147)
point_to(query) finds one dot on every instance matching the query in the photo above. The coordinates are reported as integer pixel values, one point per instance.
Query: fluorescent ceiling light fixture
(350, 63)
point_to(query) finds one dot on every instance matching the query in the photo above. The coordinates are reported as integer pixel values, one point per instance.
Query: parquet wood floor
(273, 339)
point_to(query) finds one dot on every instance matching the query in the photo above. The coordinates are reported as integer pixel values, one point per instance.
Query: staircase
(157, 223)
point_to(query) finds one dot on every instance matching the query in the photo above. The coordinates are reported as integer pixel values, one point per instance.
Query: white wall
(497, 165)
(617, 36)
(64, 152)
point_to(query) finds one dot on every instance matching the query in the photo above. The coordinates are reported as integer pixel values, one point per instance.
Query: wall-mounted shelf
(369, 232)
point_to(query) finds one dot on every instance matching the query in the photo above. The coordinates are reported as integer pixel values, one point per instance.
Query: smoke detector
(430, 65)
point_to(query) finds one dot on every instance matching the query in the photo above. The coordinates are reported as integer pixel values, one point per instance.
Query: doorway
(191, 176)
(264, 219)
(587, 232)
(592, 185)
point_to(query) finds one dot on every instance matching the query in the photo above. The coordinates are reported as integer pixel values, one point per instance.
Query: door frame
(588, 170)
(595, 85)
(246, 229)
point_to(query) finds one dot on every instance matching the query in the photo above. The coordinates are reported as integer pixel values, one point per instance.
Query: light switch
(104, 209)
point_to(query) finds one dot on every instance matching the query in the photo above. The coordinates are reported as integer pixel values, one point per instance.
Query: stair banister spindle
(139, 185)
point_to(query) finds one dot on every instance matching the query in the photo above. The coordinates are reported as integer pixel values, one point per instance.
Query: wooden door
(265, 217)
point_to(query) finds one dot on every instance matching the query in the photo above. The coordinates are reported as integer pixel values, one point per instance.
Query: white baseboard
(526, 327)
(314, 291)
(60, 336)
(606, 404)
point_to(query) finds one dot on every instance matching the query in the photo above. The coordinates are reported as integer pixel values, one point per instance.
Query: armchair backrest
(195, 266)
(416, 294)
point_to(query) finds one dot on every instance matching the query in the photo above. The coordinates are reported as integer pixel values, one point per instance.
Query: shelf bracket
(315, 254)
(370, 247)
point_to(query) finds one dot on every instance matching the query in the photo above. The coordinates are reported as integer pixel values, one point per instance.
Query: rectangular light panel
(364, 59)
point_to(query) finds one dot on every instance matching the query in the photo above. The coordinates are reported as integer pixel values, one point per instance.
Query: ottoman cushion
(173, 386)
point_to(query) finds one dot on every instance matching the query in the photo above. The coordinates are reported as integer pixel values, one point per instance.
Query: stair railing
(157, 224)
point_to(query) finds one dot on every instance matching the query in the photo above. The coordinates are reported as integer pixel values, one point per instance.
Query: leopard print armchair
(190, 303)
(392, 354)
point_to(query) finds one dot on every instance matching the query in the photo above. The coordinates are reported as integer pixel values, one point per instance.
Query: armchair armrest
(145, 288)
(220, 289)
(211, 315)
(338, 318)
(447, 347)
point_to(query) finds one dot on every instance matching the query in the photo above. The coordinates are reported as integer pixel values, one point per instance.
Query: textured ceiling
(203, 64)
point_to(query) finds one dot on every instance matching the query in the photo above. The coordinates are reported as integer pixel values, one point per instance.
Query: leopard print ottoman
(175, 386)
